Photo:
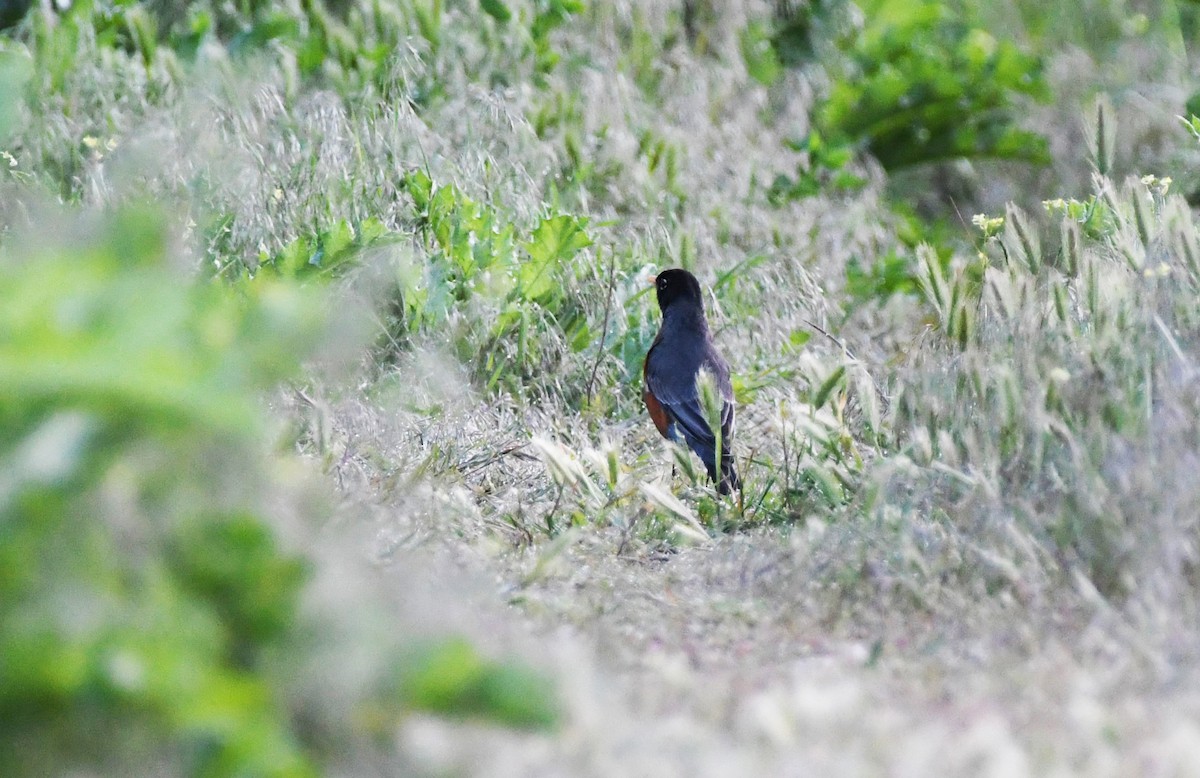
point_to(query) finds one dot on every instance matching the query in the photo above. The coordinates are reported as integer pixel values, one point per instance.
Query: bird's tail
(729, 482)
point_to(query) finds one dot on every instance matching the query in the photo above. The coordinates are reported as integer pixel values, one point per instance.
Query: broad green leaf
(555, 241)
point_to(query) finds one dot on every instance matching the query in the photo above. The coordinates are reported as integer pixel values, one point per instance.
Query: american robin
(683, 346)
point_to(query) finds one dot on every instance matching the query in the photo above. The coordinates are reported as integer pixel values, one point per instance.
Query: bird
(682, 348)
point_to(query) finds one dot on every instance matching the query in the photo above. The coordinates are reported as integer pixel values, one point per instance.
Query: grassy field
(329, 327)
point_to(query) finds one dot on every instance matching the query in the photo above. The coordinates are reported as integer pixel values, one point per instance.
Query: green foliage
(478, 258)
(827, 437)
(1093, 215)
(230, 562)
(468, 239)
(325, 255)
(145, 620)
(759, 54)
(548, 16)
(918, 82)
(149, 613)
(797, 29)
(497, 10)
(594, 488)
(900, 269)
(662, 158)
(824, 171)
(174, 363)
(1192, 123)
(924, 85)
(451, 678)
(889, 275)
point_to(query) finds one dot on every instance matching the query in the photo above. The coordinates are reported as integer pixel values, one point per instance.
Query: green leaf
(336, 244)
(825, 483)
(798, 338)
(554, 243)
(580, 336)
(497, 10)
(233, 563)
(758, 52)
(270, 27)
(828, 386)
(311, 54)
(429, 21)
(143, 31)
(452, 679)
(420, 187)
(187, 39)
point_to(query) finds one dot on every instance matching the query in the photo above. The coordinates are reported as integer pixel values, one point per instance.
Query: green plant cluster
(477, 258)
(321, 256)
(913, 83)
(924, 84)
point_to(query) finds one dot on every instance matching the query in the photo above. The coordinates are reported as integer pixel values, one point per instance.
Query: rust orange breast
(658, 414)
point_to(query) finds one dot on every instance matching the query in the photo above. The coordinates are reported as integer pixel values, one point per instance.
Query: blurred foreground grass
(150, 599)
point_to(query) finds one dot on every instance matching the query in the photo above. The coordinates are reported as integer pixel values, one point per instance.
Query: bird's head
(675, 285)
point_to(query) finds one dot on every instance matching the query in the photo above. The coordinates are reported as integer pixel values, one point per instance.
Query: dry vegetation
(968, 543)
